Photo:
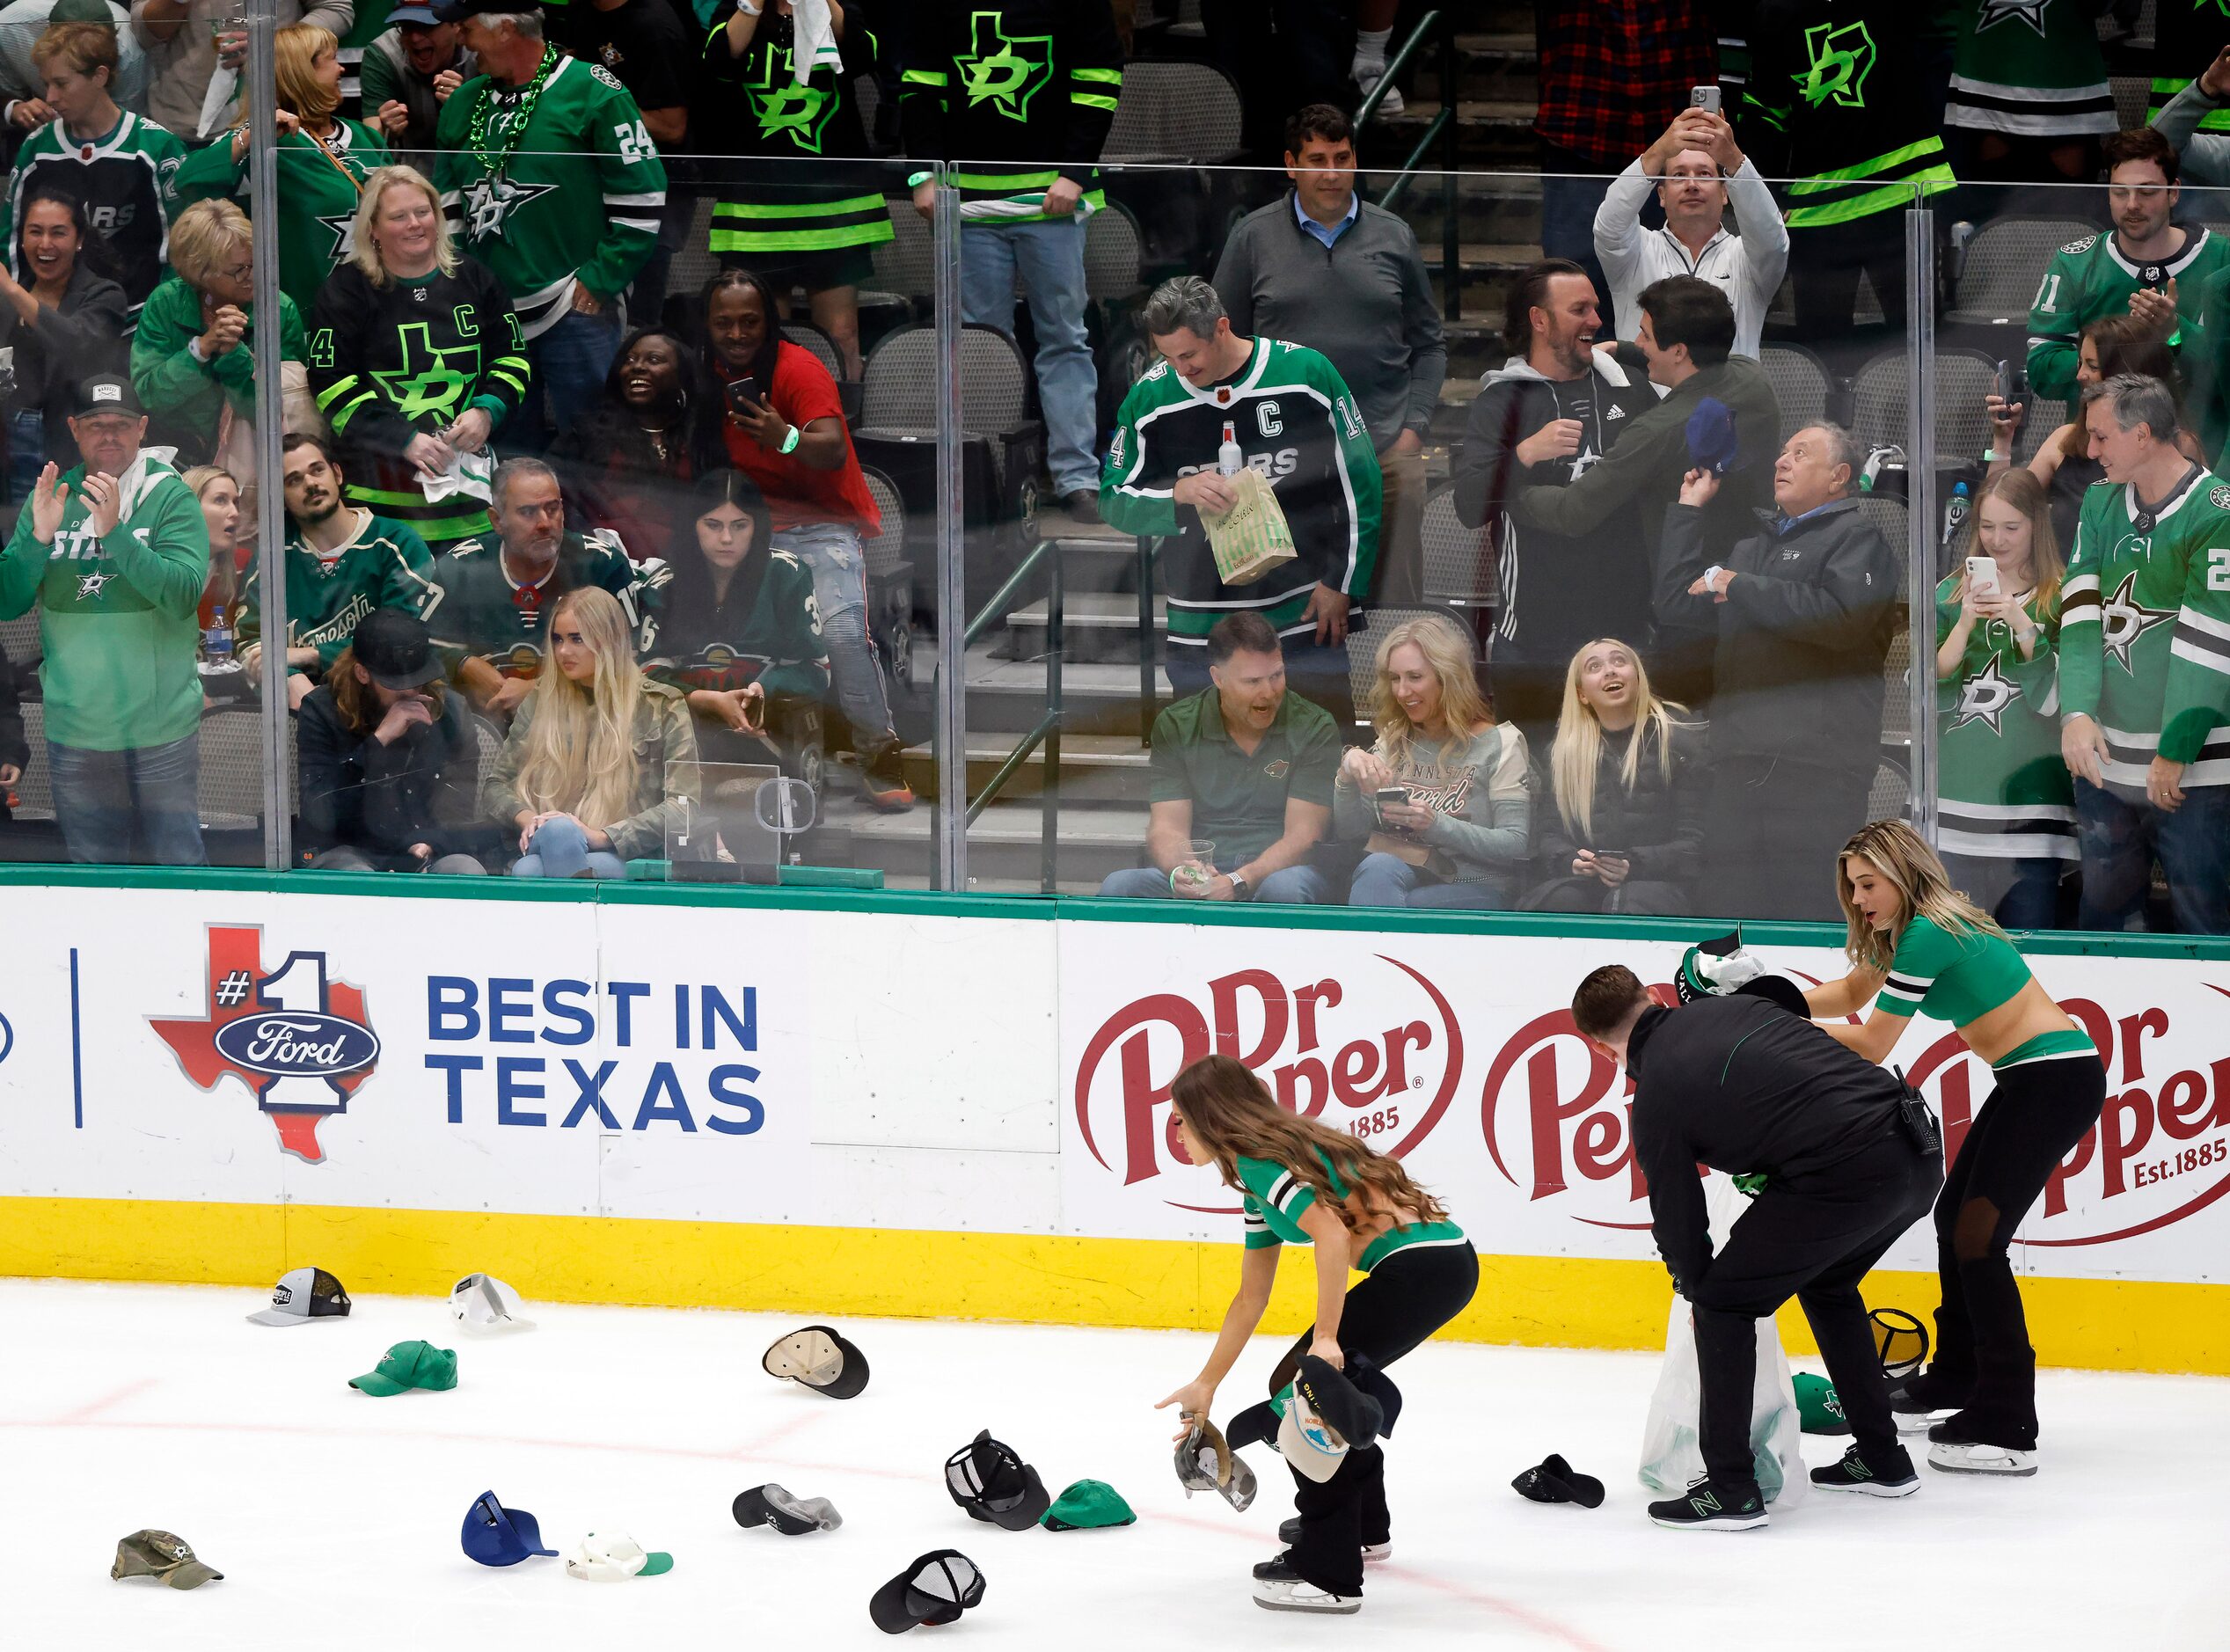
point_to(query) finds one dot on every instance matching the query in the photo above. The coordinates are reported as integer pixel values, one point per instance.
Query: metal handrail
(1395, 64)
(1048, 730)
(1145, 641)
(1442, 130)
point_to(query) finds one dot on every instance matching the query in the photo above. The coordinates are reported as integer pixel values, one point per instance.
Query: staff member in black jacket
(1748, 1084)
(1804, 610)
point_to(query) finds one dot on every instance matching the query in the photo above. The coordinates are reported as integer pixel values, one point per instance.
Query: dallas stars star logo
(1986, 697)
(1003, 70)
(489, 203)
(783, 106)
(2124, 619)
(1842, 59)
(343, 225)
(1997, 12)
(89, 585)
(430, 379)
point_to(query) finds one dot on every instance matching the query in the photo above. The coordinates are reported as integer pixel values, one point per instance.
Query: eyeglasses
(239, 273)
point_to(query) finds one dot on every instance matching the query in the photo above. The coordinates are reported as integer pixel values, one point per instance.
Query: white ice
(335, 1516)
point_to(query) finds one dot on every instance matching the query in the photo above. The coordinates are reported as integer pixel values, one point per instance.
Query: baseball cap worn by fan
(937, 1588)
(409, 1365)
(990, 1480)
(479, 1301)
(613, 1557)
(303, 1295)
(497, 1536)
(819, 1358)
(396, 653)
(107, 393)
(162, 1555)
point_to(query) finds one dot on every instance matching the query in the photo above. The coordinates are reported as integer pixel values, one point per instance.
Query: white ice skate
(1976, 1457)
(1279, 1588)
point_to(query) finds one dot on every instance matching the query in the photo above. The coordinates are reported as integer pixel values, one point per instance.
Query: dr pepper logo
(1377, 1053)
(297, 1038)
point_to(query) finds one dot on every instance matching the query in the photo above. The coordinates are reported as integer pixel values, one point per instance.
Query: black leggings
(2029, 1123)
(1407, 1297)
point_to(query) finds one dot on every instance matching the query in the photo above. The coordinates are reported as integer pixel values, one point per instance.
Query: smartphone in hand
(743, 394)
(1388, 797)
(1982, 575)
(1704, 97)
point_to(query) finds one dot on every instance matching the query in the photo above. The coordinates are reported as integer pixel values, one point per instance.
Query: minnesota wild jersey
(389, 363)
(766, 630)
(384, 566)
(480, 610)
(2005, 791)
(802, 203)
(321, 183)
(2030, 68)
(2144, 629)
(127, 179)
(1295, 422)
(1837, 99)
(2093, 277)
(553, 185)
(1026, 91)
(2186, 36)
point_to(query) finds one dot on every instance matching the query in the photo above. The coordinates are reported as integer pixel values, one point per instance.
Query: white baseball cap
(481, 1302)
(1307, 1441)
(303, 1295)
(613, 1557)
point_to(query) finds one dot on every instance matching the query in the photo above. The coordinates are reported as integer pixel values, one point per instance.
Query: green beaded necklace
(494, 160)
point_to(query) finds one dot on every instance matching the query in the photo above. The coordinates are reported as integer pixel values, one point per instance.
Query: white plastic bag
(1671, 1455)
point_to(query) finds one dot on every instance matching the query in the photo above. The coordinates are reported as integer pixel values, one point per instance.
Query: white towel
(467, 474)
(815, 44)
(216, 103)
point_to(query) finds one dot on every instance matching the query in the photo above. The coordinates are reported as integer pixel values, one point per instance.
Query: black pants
(1814, 1237)
(1408, 1296)
(2032, 1119)
(1774, 829)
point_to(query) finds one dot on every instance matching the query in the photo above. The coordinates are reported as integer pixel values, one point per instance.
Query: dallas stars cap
(409, 1365)
(164, 1555)
(303, 1295)
(1085, 1505)
(613, 1557)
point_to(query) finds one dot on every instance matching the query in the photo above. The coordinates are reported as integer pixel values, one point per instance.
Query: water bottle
(1229, 459)
(1954, 514)
(217, 656)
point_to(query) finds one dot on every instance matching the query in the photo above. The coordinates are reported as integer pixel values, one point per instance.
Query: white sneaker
(1982, 1460)
(1294, 1595)
(1391, 104)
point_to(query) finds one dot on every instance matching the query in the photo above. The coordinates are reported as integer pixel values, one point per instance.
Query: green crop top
(1959, 977)
(1277, 1198)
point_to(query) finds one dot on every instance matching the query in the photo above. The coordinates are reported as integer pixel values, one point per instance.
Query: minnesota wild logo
(784, 106)
(1842, 61)
(430, 379)
(1004, 70)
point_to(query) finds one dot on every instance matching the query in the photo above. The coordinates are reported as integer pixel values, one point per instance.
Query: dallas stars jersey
(778, 212)
(576, 202)
(1837, 99)
(767, 630)
(388, 363)
(479, 611)
(126, 179)
(1296, 424)
(2030, 68)
(319, 187)
(2090, 278)
(2144, 630)
(1027, 90)
(2005, 791)
(385, 565)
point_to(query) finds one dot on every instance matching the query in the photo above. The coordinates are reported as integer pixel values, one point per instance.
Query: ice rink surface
(334, 1516)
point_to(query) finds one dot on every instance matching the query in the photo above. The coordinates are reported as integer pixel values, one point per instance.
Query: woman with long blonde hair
(1303, 1182)
(1916, 944)
(1627, 786)
(1460, 833)
(601, 760)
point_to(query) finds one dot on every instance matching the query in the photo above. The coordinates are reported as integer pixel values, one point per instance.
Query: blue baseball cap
(497, 1536)
(1712, 441)
(421, 15)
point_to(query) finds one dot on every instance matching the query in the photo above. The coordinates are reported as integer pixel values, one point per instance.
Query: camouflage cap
(160, 1554)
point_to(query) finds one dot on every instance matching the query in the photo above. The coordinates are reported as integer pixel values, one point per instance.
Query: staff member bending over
(1306, 1183)
(1920, 945)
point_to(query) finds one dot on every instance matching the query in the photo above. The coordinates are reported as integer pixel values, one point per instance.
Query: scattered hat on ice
(937, 1588)
(1819, 1406)
(497, 1536)
(819, 1358)
(1206, 1462)
(1556, 1481)
(990, 1480)
(163, 1556)
(613, 1557)
(791, 1515)
(481, 1302)
(303, 1295)
(409, 1365)
(1087, 1505)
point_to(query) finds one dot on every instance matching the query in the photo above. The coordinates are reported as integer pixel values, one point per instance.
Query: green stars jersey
(2093, 277)
(1295, 421)
(1961, 975)
(383, 565)
(1276, 1199)
(126, 180)
(2030, 68)
(1838, 98)
(570, 197)
(116, 614)
(2144, 629)
(766, 630)
(1026, 92)
(481, 611)
(802, 203)
(388, 363)
(2004, 789)
(319, 186)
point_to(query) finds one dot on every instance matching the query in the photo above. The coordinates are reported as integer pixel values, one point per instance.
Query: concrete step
(1005, 846)
(1098, 627)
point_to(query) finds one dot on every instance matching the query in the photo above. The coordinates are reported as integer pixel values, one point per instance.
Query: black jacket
(1658, 826)
(381, 799)
(1801, 636)
(1742, 1086)
(15, 750)
(65, 344)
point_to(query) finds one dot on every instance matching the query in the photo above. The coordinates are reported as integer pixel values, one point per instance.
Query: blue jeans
(2020, 892)
(569, 361)
(26, 450)
(1384, 880)
(1049, 258)
(1295, 885)
(101, 796)
(2119, 837)
(559, 848)
(840, 590)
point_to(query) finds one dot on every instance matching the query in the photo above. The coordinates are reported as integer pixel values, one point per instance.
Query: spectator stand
(890, 586)
(1174, 123)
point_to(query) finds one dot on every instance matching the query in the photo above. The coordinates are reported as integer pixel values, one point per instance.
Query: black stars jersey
(127, 179)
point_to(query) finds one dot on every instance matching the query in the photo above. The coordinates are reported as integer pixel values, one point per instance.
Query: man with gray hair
(1279, 409)
(1803, 611)
(492, 593)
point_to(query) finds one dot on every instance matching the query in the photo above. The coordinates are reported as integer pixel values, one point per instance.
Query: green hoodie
(116, 614)
(181, 390)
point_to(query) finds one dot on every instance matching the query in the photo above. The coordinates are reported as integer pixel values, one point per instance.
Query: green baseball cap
(1818, 1407)
(1087, 1503)
(409, 1365)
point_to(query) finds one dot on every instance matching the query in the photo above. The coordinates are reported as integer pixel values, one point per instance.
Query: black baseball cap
(393, 647)
(990, 1480)
(819, 1358)
(791, 1515)
(107, 393)
(937, 1588)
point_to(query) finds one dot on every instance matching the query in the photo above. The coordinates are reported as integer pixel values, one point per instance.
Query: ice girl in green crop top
(1916, 946)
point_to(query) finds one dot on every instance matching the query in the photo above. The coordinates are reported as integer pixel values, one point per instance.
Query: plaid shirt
(1615, 73)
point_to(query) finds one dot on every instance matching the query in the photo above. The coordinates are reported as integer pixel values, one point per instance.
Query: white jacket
(1747, 268)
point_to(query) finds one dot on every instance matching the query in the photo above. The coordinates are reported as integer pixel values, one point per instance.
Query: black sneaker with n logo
(1709, 1506)
(1891, 1477)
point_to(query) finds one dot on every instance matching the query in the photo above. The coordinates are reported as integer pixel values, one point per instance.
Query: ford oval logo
(297, 1044)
